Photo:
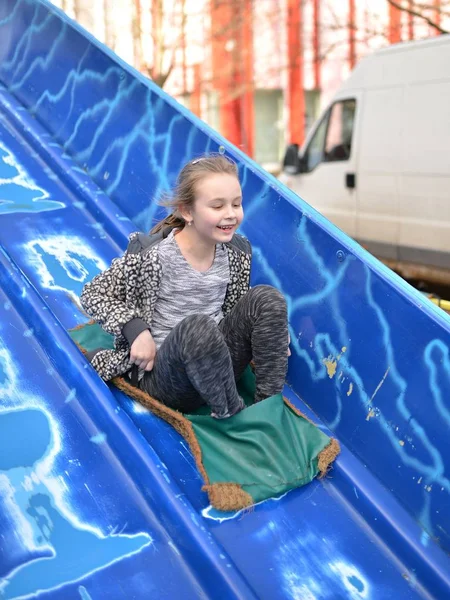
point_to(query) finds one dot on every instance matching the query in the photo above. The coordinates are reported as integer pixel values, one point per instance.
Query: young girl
(182, 311)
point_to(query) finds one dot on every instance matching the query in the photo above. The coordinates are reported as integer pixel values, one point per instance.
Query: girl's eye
(237, 205)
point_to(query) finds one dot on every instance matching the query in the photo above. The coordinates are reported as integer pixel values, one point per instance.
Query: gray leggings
(199, 361)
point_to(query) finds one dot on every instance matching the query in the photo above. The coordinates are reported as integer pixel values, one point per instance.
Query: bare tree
(137, 34)
(164, 51)
(429, 12)
(83, 13)
(169, 53)
(168, 35)
(77, 9)
(334, 26)
(110, 34)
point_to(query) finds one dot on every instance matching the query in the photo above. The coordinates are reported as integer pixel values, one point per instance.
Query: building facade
(259, 71)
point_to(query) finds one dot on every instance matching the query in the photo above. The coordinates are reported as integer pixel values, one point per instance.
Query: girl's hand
(143, 351)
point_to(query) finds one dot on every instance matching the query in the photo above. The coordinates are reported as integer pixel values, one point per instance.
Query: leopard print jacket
(129, 288)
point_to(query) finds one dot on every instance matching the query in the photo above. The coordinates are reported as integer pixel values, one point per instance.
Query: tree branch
(415, 13)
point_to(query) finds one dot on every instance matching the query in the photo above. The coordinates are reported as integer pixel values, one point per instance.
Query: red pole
(351, 35)
(410, 22)
(316, 44)
(248, 120)
(296, 96)
(437, 15)
(225, 68)
(395, 34)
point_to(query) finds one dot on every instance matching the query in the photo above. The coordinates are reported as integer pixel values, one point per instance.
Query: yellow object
(444, 304)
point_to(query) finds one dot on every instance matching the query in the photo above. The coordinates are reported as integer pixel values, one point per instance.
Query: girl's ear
(184, 212)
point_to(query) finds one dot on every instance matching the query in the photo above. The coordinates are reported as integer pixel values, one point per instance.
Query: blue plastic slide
(99, 499)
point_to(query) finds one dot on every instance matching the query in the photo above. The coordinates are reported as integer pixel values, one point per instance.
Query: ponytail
(172, 220)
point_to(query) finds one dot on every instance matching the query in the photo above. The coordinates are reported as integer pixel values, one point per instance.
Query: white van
(377, 163)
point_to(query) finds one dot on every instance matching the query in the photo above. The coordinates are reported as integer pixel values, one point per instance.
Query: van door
(380, 158)
(328, 179)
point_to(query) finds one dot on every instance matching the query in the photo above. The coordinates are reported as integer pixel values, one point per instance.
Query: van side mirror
(293, 164)
(291, 160)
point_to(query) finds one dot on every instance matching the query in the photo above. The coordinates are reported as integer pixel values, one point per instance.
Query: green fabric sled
(262, 452)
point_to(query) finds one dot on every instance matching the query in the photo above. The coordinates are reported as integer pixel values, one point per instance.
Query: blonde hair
(183, 194)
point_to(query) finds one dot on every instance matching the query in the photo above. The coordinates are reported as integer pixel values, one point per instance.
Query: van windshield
(332, 140)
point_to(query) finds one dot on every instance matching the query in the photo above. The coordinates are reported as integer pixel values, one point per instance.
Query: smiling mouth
(226, 227)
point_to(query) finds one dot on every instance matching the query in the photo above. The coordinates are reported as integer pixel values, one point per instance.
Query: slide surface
(99, 498)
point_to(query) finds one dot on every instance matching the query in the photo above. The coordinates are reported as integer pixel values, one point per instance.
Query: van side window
(332, 140)
(314, 152)
(338, 143)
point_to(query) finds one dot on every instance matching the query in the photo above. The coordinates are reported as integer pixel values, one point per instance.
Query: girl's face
(217, 210)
